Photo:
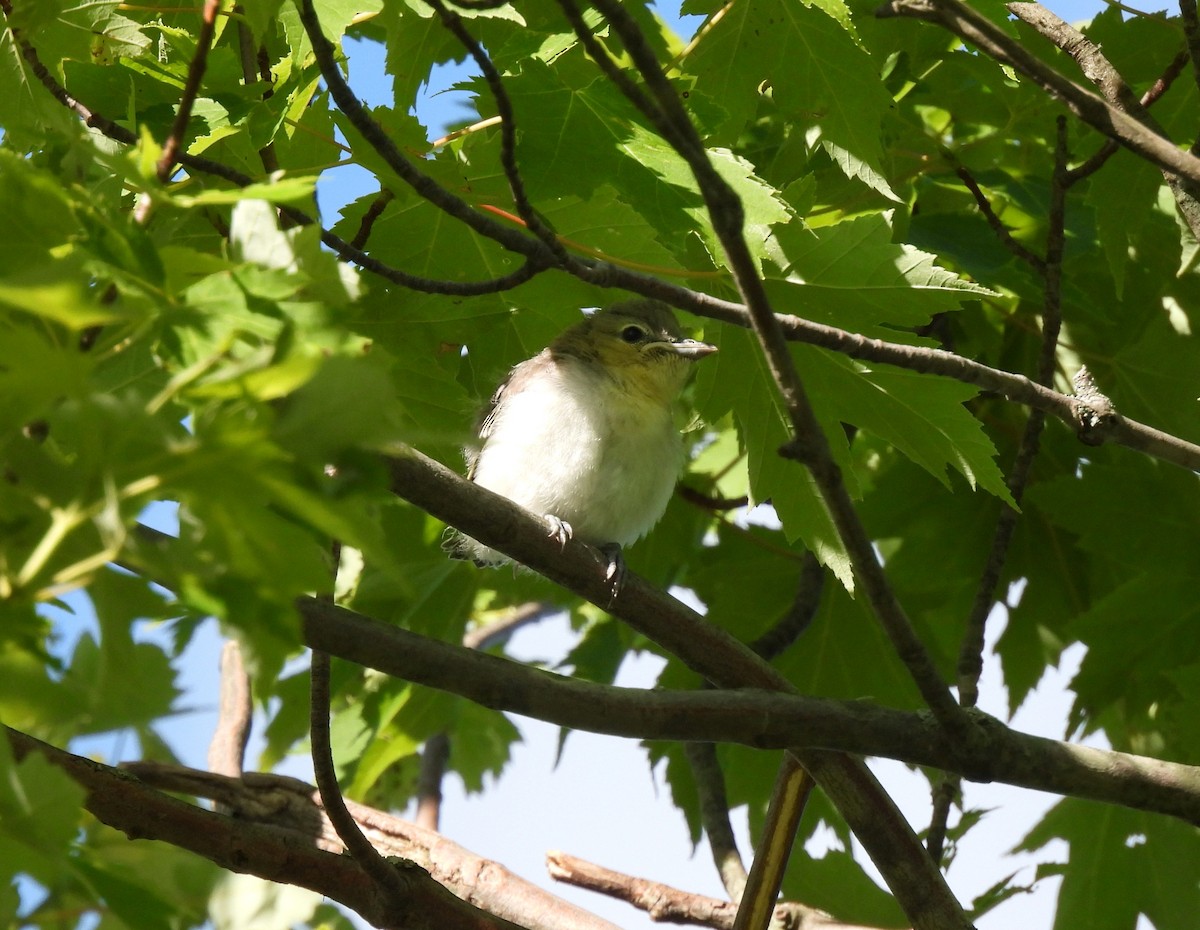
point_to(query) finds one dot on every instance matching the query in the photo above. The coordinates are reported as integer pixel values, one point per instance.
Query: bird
(584, 432)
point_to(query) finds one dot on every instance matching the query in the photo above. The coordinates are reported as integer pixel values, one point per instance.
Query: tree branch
(1100, 71)
(227, 751)
(423, 185)
(396, 882)
(278, 854)
(508, 130)
(751, 716)
(191, 88)
(973, 27)
(970, 656)
(500, 524)
(714, 815)
(665, 904)
(809, 444)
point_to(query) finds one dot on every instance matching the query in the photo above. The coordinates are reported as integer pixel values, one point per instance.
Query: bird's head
(638, 343)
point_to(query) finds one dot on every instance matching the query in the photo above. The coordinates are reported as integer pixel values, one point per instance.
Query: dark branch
(809, 444)
(508, 130)
(191, 88)
(756, 717)
(276, 854)
(714, 815)
(500, 524)
(975, 28)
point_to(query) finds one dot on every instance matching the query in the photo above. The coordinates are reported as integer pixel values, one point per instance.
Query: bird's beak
(693, 348)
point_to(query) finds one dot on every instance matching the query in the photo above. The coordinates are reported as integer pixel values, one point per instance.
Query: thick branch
(809, 444)
(754, 717)
(500, 524)
(276, 854)
(268, 798)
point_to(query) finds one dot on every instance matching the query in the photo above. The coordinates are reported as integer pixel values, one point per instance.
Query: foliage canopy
(936, 234)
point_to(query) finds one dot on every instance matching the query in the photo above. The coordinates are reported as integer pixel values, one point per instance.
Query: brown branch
(395, 883)
(191, 88)
(714, 815)
(227, 751)
(749, 715)
(970, 657)
(665, 904)
(374, 212)
(500, 524)
(975, 28)
(994, 221)
(508, 130)
(799, 616)
(1096, 161)
(532, 248)
(809, 444)
(278, 854)
(434, 757)
(1100, 71)
(970, 654)
(282, 801)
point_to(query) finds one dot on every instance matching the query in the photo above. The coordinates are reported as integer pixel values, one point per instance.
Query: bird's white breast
(572, 443)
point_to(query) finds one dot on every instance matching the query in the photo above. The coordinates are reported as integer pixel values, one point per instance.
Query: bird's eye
(632, 334)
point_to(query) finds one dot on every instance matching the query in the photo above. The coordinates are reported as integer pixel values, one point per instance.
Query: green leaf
(922, 416)
(762, 426)
(853, 276)
(1122, 863)
(39, 816)
(810, 64)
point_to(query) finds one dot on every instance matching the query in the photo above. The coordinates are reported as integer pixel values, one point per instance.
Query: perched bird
(584, 432)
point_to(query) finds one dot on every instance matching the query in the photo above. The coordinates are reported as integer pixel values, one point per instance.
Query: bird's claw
(560, 530)
(615, 569)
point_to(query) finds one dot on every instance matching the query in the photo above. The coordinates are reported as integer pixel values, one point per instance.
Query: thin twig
(227, 751)
(434, 757)
(1096, 161)
(994, 221)
(714, 815)
(970, 656)
(374, 211)
(970, 660)
(532, 248)
(775, 641)
(508, 129)
(191, 88)
(665, 904)
(946, 793)
(395, 884)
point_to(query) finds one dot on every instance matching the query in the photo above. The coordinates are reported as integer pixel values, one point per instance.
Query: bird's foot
(560, 530)
(615, 569)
